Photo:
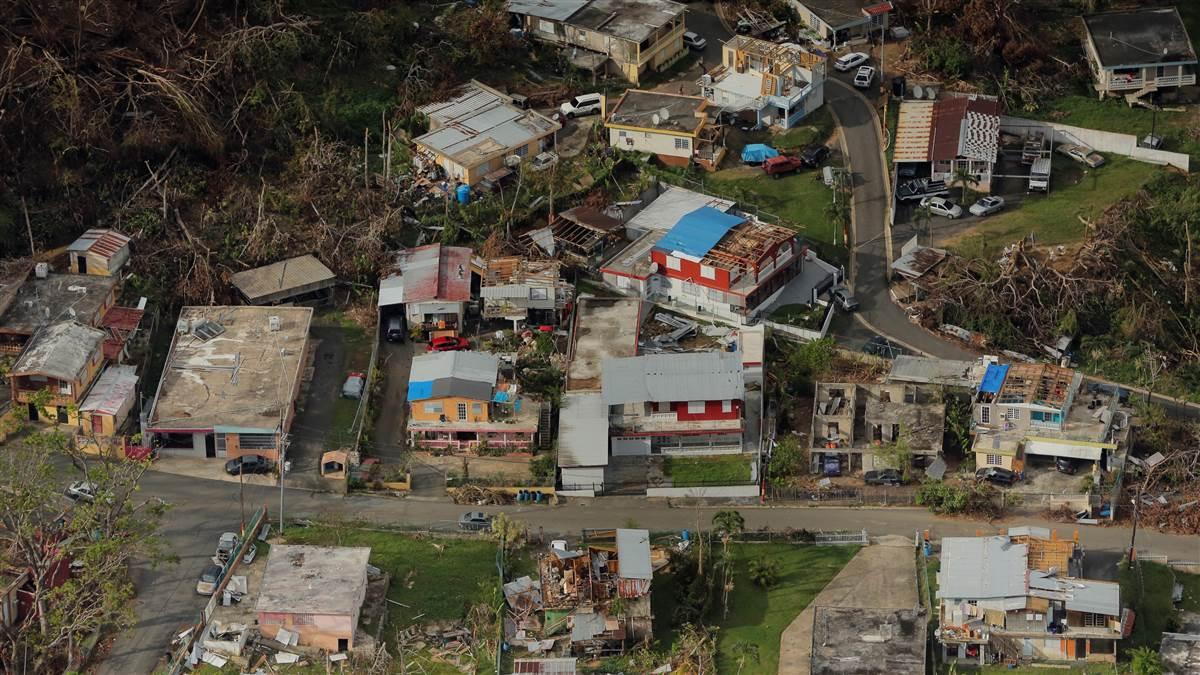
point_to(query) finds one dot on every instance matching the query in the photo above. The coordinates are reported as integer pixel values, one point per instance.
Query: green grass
(803, 316)
(1191, 591)
(798, 200)
(433, 585)
(1054, 218)
(1113, 114)
(716, 469)
(815, 128)
(893, 120)
(1078, 669)
(760, 616)
(1150, 597)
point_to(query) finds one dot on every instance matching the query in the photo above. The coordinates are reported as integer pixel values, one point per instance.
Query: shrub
(787, 460)
(764, 572)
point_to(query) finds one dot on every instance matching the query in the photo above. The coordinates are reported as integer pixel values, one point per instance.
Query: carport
(1085, 450)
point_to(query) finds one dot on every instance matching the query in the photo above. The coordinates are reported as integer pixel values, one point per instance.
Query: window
(477, 409)
(714, 294)
(682, 144)
(673, 263)
(64, 388)
(993, 460)
(621, 133)
(695, 407)
(1014, 413)
(546, 26)
(539, 294)
(1092, 620)
(708, 272)
(985, 414)
(433, 408)
(302, 619)
(521, 151)
(726, 406)
(462, 411)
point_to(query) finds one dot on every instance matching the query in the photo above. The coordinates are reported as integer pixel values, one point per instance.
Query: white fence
(703, 491)
(1104, 141)
(858, 538)
(806, 334)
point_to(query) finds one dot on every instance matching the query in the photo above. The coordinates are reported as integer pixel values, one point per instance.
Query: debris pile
(480, 496)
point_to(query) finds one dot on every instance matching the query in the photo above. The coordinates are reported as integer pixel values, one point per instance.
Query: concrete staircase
(1136, 97)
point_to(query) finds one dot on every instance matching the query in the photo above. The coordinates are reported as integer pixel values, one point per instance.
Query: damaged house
(316, 592)
(854, 423)
(524, 291)
(779, 84)
(674, 128)
(582, 236)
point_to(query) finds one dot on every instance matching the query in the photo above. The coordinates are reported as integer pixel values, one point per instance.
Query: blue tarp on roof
(697, 232)
(993, 378)
(757, 152)
(419, 391)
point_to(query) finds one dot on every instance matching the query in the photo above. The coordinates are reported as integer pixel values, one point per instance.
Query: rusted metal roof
(913, 131)
(436, 272)
(958, 126)
(591, 218)
(100, 241)
(119, 323)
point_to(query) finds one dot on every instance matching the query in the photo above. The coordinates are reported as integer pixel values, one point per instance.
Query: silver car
(940, 206)
(477, 521)
(986, 206)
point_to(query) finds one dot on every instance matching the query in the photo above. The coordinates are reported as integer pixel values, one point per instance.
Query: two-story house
(1037, 409)
(1019, 595)
(628, 38)
(853, 422)
(524, 291)
(954, 134)
(457, 400)
(1139, 52)
(62, 359)
(674, 403)
(674, 128)
(780, 84)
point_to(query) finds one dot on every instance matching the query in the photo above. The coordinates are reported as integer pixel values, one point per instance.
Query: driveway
(312, 429)
(702, 19)
(395, 362)
(868, 260)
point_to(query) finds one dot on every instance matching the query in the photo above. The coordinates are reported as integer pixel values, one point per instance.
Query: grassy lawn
(1054, 218)
(812, 129)
(798, 200)
(1150, 598)
(712, 470)
(434, 585)
(1191, 591)
(759, 616)
(893, 120)
(1115, 115)
(802, 316)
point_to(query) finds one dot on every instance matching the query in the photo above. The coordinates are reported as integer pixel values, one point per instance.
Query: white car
(986, 206)
(543, 160)
(693, 41)
(864, 77)
(851, 60)
(1083, 155)
(583, 104)
(81, 491)
(940, 206)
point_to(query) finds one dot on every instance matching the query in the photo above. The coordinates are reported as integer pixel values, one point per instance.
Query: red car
(777, 167)
(449, 344)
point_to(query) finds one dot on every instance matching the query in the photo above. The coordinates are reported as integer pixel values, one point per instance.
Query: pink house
(315, 591)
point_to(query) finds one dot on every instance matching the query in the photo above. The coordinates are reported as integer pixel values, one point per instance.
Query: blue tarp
(757, 152)
(419, 391)
(697, 232)
(500, 397)
(993, 378)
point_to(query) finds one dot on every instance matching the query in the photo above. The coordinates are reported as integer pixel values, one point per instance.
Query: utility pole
(283, 443)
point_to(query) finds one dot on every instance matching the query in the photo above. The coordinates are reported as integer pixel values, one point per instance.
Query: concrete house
(674, 128)
(840, 21)
(302, 280)
(230, 381)
(98, 251)
(431, 285)
(47, 298)
(779, 84)
(1019, 595)
(63, 358)
(524, 291)
(316, 591)
(474, 132)
(1041, 410)
(626, 38)
(851, 421)
(952, 133)
(457, 400)
(1138, 52)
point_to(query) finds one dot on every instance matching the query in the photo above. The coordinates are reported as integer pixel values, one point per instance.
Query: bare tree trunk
(28, 227)
(366, 157)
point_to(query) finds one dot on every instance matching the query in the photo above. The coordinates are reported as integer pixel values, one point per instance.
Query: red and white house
(675, 403)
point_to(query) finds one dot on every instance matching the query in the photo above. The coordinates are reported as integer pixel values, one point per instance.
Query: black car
(883, 477)
(1065, 465)
(996, 475)
(881, 346)
(248, 464)
(814, 154)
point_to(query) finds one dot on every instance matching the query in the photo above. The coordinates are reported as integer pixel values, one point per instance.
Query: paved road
(702, 20)
(395, 361)
(166, 598)
(868, 260)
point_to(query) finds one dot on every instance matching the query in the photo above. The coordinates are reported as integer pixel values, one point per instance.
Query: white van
(584, 104)
(1039, 175)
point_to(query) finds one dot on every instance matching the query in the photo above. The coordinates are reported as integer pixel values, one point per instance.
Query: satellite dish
(664, 114)
(931, 92)
(653, 268)
(512, 161)
(917, 91)
(655, 119)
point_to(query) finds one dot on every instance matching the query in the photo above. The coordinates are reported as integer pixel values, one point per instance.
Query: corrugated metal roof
(560, 666)
(554, 10)
(1080, 595)
(982, 567)
(120, 322)
(586, 627)
(100, 241)
(114, 388)
(282, 276)
(700, 376)
(591, 219)
(633, 554)
(60, 350)
(465, 365)
(435, 272)
(583, 430)
(697, 232)
(666, 209)
(913, 131)
(391, 291)
(478, 123)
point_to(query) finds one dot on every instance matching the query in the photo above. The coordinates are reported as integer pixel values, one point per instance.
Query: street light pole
(283, 443)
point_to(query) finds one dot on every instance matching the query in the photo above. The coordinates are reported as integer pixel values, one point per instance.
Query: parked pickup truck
(777, 167)
(920, 188)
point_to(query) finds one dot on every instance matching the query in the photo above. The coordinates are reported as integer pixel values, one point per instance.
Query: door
(33, 413)
(82, 264)
(97, 424)
(210, 445)
(343, 644)
(61, 412)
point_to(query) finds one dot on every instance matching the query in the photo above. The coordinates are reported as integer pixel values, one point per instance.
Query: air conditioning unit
(41, 270)
(273, 323)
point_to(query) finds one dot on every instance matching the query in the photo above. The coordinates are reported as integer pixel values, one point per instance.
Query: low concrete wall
(707, 491)
(1125, 145)
(576, 493)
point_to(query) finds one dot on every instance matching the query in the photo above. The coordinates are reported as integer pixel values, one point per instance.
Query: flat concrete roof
(604, 328)
(242, 377)
(314, 580)
(856, 641)
(639, 107)
(59, 297)
(633, 20)
(1140, 37)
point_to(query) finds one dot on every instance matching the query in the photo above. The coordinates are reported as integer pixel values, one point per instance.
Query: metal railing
(884, 496)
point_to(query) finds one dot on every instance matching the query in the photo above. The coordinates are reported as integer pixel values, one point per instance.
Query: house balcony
(1132, 83)
(669, 422)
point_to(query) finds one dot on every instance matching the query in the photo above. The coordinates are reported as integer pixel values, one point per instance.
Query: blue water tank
(464, 194)
(687, 535)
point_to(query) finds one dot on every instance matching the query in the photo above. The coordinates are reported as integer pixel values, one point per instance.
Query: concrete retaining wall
(1125, 145)
(707, 491)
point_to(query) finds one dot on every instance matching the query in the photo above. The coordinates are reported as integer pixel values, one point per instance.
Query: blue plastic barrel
(687, 535)
(464, 194)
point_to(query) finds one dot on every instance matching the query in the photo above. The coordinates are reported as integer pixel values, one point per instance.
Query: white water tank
(41, 270)
(273, 323)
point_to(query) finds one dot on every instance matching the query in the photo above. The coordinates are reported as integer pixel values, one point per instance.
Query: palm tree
(964, 176)
(764, 572)
(743, 650)
(923, 216)
(838, 212)
(728, 523)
